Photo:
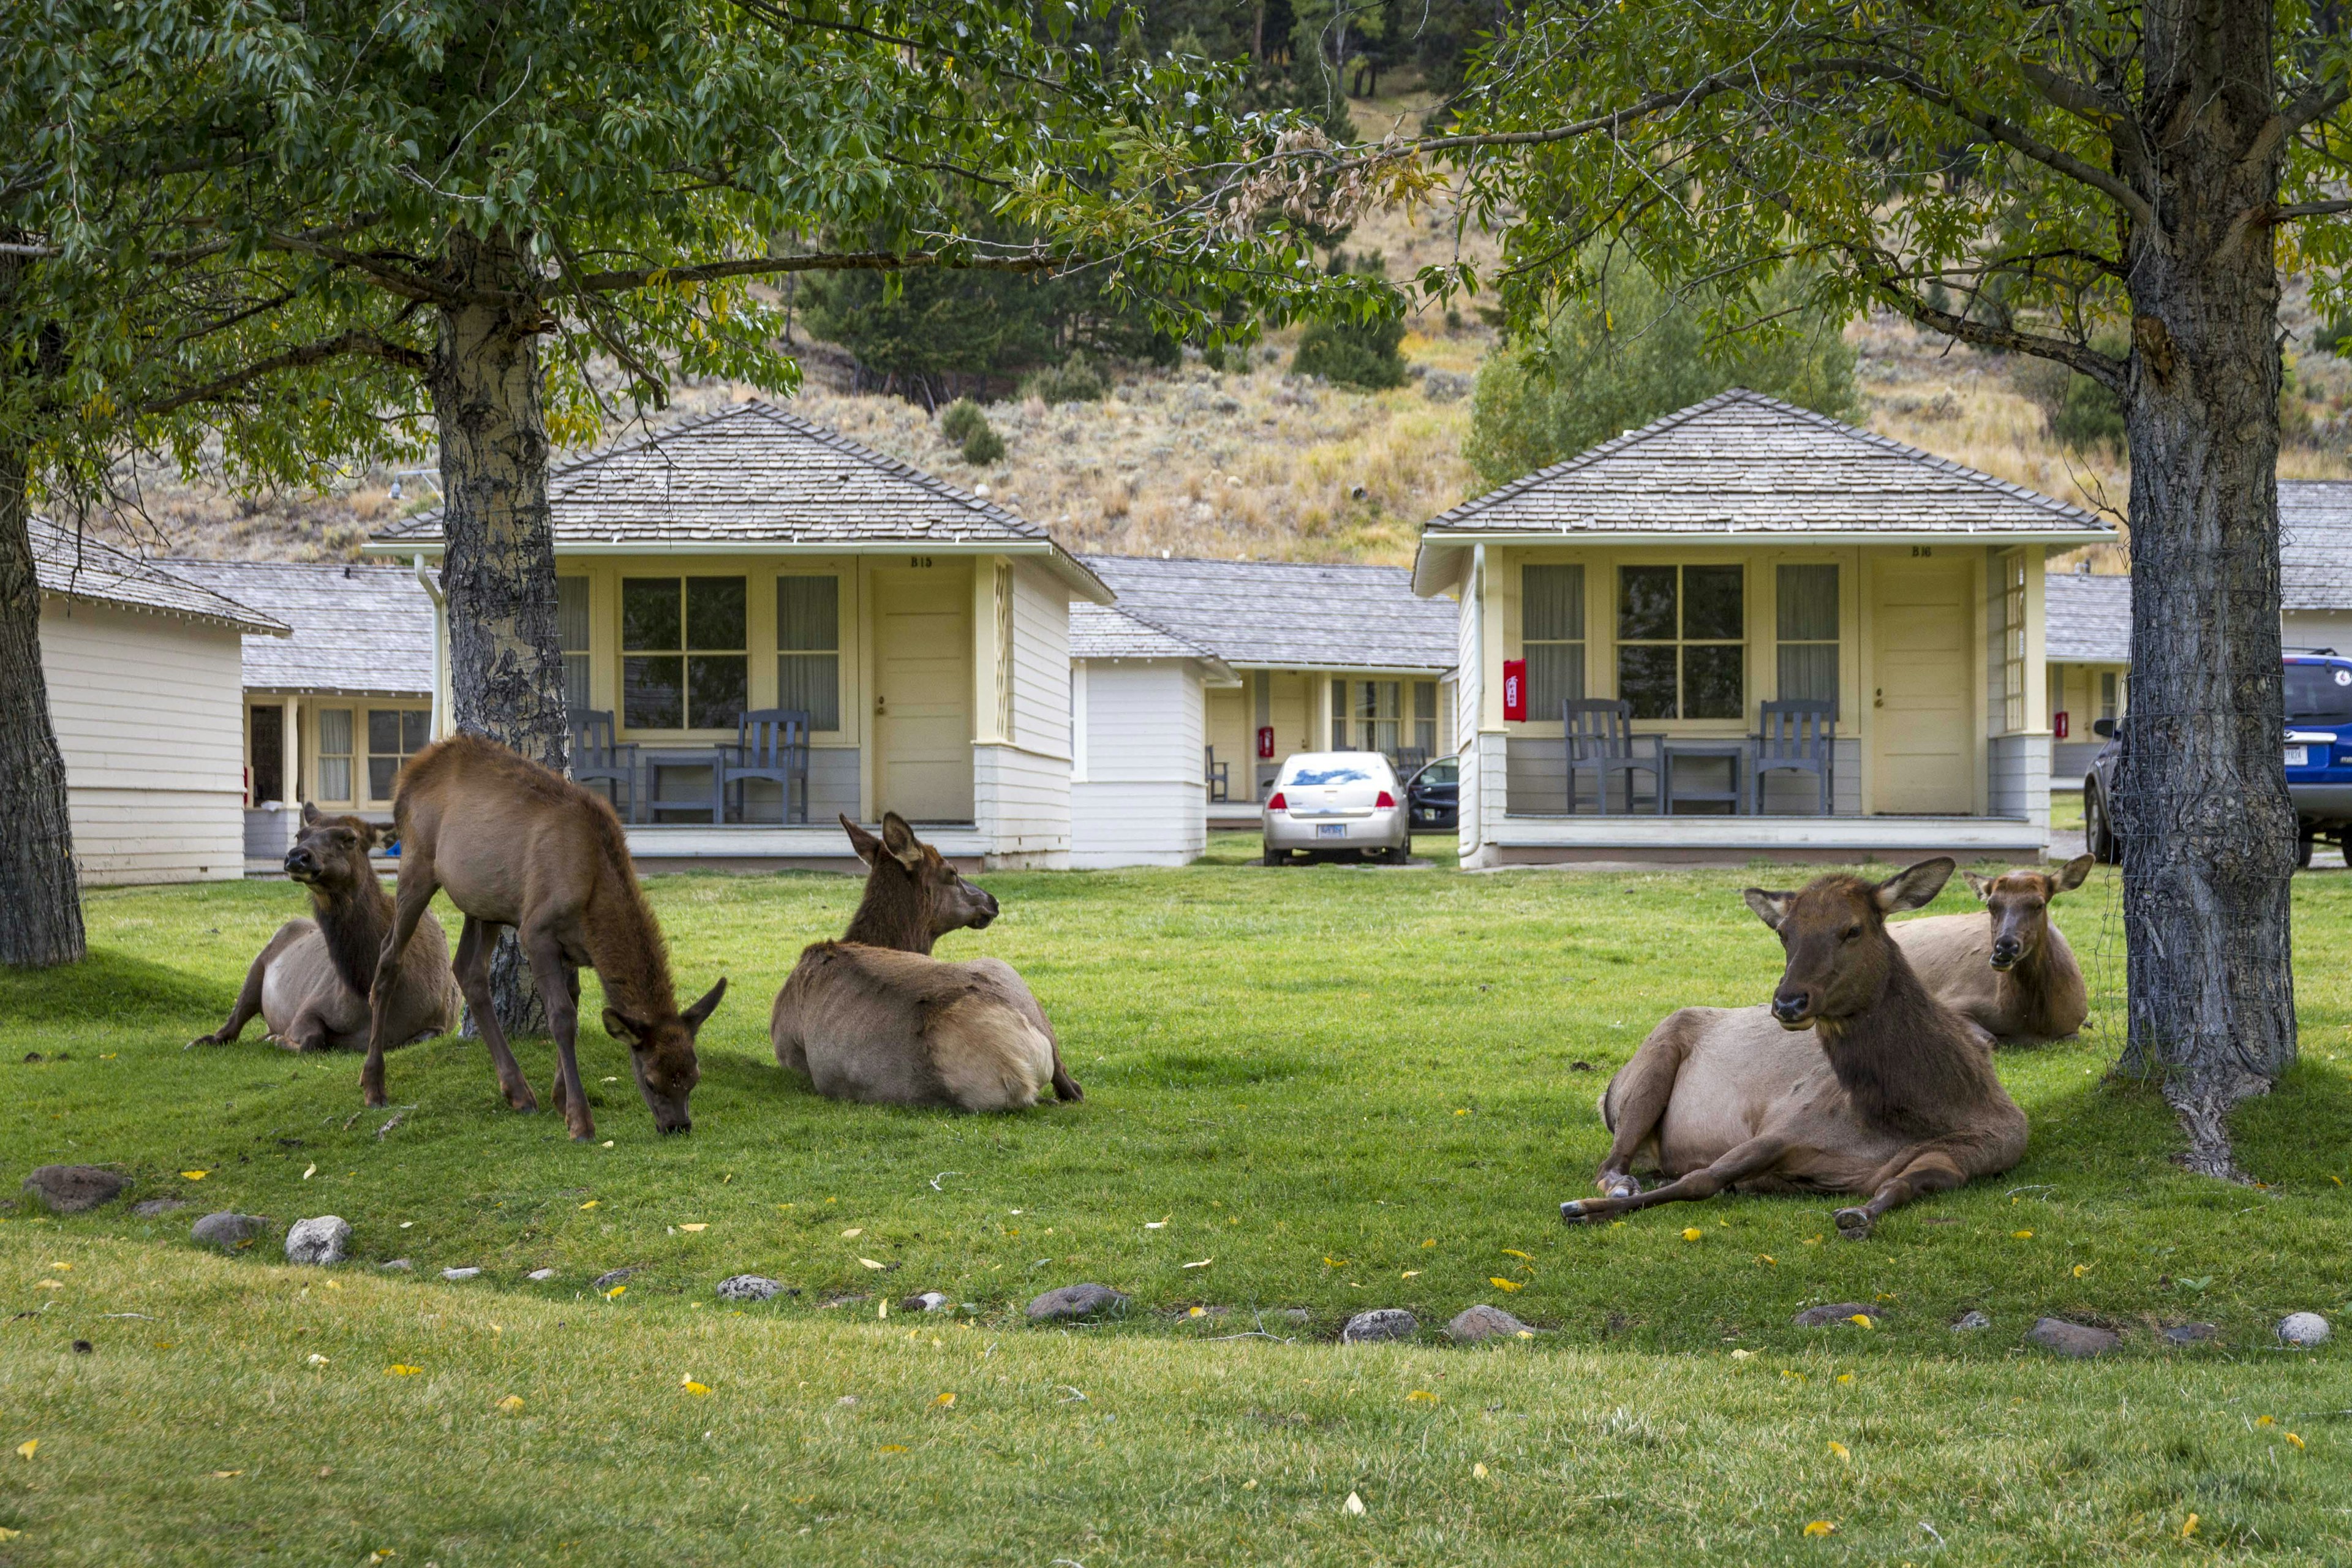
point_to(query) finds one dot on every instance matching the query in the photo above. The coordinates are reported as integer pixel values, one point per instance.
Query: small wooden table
(1732, 751)
(652, 759)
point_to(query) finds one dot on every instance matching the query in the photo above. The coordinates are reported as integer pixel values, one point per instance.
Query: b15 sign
(1515, 688)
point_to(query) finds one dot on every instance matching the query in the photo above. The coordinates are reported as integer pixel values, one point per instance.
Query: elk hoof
(1619, 1186)
(1575, 1210)
(1853, 1224)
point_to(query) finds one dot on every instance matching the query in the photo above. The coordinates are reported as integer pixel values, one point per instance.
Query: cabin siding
(1141, 800)
(148, 713)
(1021, 803)
(2018, 777)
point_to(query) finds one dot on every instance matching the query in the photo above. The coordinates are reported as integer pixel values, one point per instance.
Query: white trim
(812, 841)
(1857, 833)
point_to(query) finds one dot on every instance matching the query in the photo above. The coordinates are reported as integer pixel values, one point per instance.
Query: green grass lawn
(1326, 1088)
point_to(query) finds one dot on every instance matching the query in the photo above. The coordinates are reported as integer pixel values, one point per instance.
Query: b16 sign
(1515, 688)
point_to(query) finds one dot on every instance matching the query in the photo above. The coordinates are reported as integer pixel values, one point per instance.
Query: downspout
(440, 649)
(1472, 782)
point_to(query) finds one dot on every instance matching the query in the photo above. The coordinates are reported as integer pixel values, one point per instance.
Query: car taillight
(1277, 803)
(1386, 802)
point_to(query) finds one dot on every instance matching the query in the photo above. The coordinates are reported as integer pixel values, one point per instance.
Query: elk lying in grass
(875, 1017)
(2009, 970)
(311, 983)
(1854, 1080)
(513, 845)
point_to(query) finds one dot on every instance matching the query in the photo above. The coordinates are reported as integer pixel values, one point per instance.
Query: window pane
(571, 613)
(1551, 603)
(1711, 602)
(810, 682)
(335, 731)
(1645, 603)
(384, 731)
(808, 614)
(1338, 715)
(575, 680)
(1424, 735)
(416, 728)
(650, 614)
(651, 698)
(714, 613)
(382, 771)
(1712, 684)
(1554, 674)
(335, 778)
(1646, 677)
(1425, 699)
(1809, 671)
(1388, 699)
(1807, 604)
(716, 687)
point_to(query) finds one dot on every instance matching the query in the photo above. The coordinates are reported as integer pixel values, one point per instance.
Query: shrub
(1353, 354)
(984, 446)
(1071, 381)
(959, 419)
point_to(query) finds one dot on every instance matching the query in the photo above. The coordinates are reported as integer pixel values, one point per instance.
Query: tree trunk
(2208, 835)
(41, 897)
(506, 668)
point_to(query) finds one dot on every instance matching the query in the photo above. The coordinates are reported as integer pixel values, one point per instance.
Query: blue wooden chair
(770, 743)
(598, 759)
(1797, 736)
(1600, 741)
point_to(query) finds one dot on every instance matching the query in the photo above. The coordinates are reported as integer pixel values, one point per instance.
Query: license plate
(1330, 830)
(2299, 756)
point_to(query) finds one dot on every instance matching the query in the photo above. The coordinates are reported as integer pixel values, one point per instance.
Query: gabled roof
(362, 629)
(73, 566)
(2087, 618)
(1111, 631)
(1289, 615)
(1742, 463)
(752, 477)
(2314, 544)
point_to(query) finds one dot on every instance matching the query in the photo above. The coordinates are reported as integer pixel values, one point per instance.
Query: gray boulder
(2079, 1341)
(397, 1266)
(71, 1189)
(928, 1301)
(151, 1207)
(748, 1288)
(1971, 1319)
(1830, 1312)
(609, 1279)
(2303, 1329)
(459, 1273)
(540, 1274)
(1474, 1325)
(1379, 1323)
(1075, 1301)
(229, 1232)
(319, 1240)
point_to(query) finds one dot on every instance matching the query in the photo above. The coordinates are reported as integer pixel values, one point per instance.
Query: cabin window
(808, 648)
(1425, 717)
(2012, 640)
(2107, 694)
(335, 753)
(1681, 650)
(1806, 612)
(1365, 715)
(394, 735)
(684, 664)
(267, 777)
(571, 632)
(1551, 634)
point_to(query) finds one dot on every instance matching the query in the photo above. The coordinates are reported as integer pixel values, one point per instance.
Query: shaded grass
(1341, 1088)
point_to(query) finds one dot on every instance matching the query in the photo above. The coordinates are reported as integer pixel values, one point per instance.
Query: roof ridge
(898, 466)
(129, 568)
(1218, 561)
(1203, 649)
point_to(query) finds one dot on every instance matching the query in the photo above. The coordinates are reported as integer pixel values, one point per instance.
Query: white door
(922, 692)
(1922, 732)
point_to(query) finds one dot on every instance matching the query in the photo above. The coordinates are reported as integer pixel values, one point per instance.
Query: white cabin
(1138, 700)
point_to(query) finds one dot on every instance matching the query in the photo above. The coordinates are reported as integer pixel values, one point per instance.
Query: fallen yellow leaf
(945, 1401)
(50, 1284)
(1842, 1452)
(592, 1203)
(1203, 1264)
(1845, 1377)
(871, 1264)
(2293, 1439)
(1820, 1527)
(397, 1369)
(1767, 1257)
(1198, 1312)
(309, 1172)
(1430, 1242)
(2188, 1527)
(10, 1534)
(1355, 1504)
(1741, 1355)
(318, 1360)
(2020, 1235)
(195, 1175)
(334, 1284)
(1423, 1395)
(1500, 1283)
(227, 1475)
(1514, 1252)
(2265, 1421)
(1478, 1472)
(2080, 1270)
(67, 1267)
(1691, 1233)
(705, 1226)
(696, 1389)
(1411, 1274)
(1862, 1320)
(25, 1449)
(1331, 1262)
(894, 1448)
(512, 1403)
(853, 1232)
(615, 1292)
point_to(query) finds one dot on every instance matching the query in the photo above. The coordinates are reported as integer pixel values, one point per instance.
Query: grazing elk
(2008, 971)
(514, 845)
(875, 1017)
(1854, 1080)
(312, 983)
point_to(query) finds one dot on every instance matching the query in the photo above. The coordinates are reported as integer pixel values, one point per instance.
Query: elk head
(1834, 932)
(661, 1053)
(2020, 905)
(329, 855)
(913, 896)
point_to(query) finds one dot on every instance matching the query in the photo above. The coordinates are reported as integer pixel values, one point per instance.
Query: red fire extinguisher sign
(1515, 688)
(2058, 723)
(1265, 742)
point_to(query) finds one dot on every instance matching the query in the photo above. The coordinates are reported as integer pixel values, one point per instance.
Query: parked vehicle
(1433, 797)
(1343, 802)
(2318, 760)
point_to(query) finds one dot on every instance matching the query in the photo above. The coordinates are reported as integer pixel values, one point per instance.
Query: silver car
(1337, 801)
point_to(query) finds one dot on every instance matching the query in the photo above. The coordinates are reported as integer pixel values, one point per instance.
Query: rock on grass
(319, 1240)
(1481, 1323)
(151, 1207)
(229, 1231)
(1379, 1323)
(2079, 1341)
(2190, 1333)
(71, 1189)
(2303, 1329)
(928, 1301)
(1073, 1302)
(1830, 1312)
(609, 1279)
(748, 1288)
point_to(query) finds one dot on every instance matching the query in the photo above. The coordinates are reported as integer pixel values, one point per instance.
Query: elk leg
(248, 999)
(1649, 1083)
(306, 1031)
(472, 968)
(410, 899)
(1926, 1170)
(1743, 1160)
(559, 992)
(1064, 1086)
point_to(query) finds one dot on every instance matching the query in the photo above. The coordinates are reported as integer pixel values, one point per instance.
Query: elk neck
(891, 915)
(353, 923)
(1907, 1062)
(625, 943)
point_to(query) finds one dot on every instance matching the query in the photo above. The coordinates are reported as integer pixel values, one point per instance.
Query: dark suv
(2318, 759)
(1433, 797)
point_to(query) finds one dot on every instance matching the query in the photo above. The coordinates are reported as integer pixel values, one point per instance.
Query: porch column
(290, 747)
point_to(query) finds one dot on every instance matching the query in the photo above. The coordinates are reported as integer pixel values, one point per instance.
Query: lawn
(1321, 1090)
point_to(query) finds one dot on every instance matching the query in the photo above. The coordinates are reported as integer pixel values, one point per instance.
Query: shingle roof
(1289, 615)
(365, 629)
(2086, 619)
(1743, 462)
(1109, 631)
(76, 566)
(2314, 544)
(750, 476)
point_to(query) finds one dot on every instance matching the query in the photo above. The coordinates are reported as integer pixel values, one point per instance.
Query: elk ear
(1980, 886)
(1770, 908)
(309, 815)
(1914, 886)
(900, 841)
(621, 1026)
(695, 1015)
(864, 843)
(2070, 875)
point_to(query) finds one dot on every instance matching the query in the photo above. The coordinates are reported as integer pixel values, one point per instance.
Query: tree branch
(392, 279)
(2308, 209)
(364, 345)
(848, 261)
(1883, 278)
(2324, 98)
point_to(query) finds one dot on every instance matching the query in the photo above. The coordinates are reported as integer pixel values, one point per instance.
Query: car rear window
(1331, 773)
(2319, 692)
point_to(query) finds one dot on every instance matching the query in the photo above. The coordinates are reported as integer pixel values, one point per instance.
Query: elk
(875, 1017)
(2007, 971)
(1854, 1080)
(313, 981)
(515, 845)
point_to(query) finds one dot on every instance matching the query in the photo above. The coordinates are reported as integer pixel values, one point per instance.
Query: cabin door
(1922, 747)
(922, 691)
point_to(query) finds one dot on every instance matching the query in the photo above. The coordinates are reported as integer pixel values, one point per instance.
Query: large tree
(2026, 177)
